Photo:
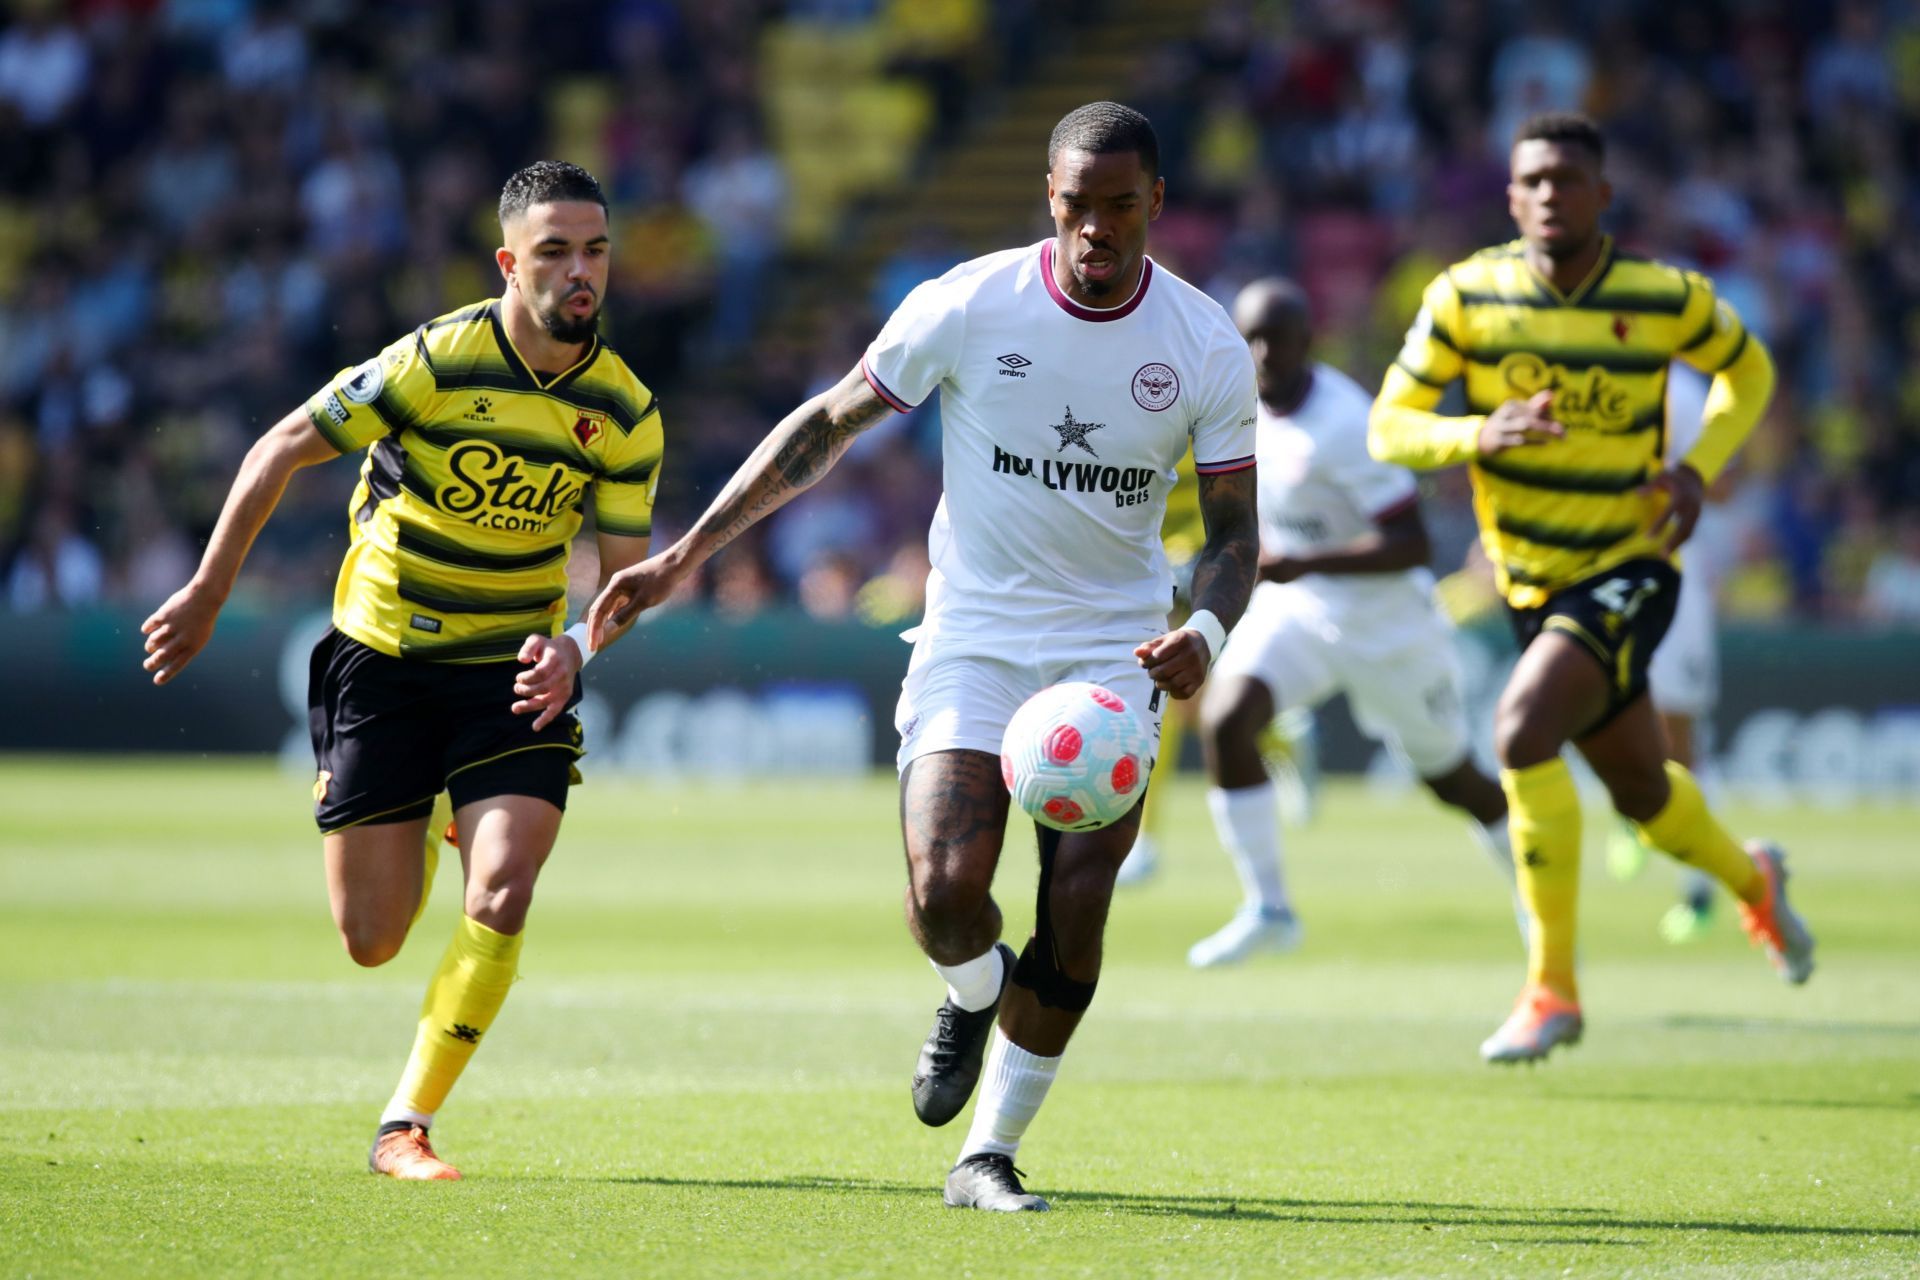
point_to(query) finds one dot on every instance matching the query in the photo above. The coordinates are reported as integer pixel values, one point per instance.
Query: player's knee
(1523, 732)
(371, 943)
(500, 899)
(1638, 792)
(1040, 973)
(944, 899)
(1449, 788)
(1233, 715)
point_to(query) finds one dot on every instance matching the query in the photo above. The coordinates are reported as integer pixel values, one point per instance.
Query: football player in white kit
(1683, 679)
(1072, 374)
(1344, 603)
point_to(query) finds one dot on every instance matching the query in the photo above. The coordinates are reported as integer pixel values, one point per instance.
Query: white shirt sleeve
(918, 347)
(1223, 420)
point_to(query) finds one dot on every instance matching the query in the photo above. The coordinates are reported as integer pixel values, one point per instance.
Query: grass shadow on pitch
(1205, 1206)
(1356, 1213)
(1909, 1103)
(1790, 1026)
(1580, 1240)
(1415, 1213)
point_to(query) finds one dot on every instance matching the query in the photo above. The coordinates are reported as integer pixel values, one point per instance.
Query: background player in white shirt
(1683, 678)
(1072, 375)
(1345, 603)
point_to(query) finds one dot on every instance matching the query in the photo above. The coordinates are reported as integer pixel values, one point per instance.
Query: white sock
(1012, 1088)
(973, 984)
(1498, 844)
(1247, 820)
(398, 1111)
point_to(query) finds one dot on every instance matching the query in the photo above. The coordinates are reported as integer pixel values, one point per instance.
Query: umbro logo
(461, 1031)
(1014, 363)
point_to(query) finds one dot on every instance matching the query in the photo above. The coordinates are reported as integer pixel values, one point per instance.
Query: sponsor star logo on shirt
(1072, 432)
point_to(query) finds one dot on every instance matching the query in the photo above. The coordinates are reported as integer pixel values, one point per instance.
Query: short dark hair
(1102, 127)
(545, 181)
(1563, 126)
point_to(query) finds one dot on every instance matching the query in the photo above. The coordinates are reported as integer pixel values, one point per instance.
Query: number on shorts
(1613, 594)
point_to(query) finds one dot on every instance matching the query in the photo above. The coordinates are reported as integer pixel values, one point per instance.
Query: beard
(562, 327)
(1094, 288)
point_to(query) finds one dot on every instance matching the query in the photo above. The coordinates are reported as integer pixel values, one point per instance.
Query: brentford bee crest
(1155, 387)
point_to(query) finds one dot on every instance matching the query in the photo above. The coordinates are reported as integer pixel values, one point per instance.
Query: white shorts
(1406, 692)
(1684, 676)
(963, 700)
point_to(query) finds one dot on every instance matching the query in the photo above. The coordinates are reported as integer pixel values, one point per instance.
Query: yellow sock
(436, 832)
(465, 994)
(1543, 822)
(1687, 830)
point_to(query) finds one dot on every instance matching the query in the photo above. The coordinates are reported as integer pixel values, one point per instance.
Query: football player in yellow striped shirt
(486, 433)
(1563, 344)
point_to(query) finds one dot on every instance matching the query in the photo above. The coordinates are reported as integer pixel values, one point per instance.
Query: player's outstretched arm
(1403, 428)
(181, 627)
(791, 459)
(1223, 576)
(552, 663)
(1741, 389)
(1398, 541)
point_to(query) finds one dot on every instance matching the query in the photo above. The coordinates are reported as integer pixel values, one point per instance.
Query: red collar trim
(1095, 314)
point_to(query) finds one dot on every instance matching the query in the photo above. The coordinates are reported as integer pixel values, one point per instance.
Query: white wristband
(1209, 629)
(578, 634)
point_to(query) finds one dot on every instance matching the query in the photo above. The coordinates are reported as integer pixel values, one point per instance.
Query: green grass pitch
(704, 1068)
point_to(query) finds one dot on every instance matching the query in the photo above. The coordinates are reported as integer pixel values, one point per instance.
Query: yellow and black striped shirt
(1558, 511)
(473, 489)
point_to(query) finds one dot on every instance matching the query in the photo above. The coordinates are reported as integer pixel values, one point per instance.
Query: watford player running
(446, 667)
(1563, 343)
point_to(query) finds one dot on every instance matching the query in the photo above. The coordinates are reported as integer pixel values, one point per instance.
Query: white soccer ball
(1075, 757)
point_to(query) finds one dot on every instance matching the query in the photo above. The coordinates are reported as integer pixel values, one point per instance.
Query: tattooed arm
(1224, 571)
(1223, 575)
(791, 459)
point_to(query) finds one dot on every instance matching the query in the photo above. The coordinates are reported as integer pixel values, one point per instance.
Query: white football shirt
(1062, 426)
(1320, 488)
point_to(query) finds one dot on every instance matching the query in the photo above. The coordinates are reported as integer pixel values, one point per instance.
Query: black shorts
(1618, 615)
(389, 734)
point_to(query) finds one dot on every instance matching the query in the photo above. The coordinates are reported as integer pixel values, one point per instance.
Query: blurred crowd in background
(210, 206)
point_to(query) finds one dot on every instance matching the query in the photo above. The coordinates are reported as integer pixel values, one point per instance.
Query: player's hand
(1281, 569)
(547, 682)
(178, 630)
(1177, 661)
(627, 595)
(1684, 491)
(1519, 422)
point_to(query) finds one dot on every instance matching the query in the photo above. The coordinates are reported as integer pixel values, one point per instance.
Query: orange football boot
(1541, 1019)
(1773, 925)
(403, 1152)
